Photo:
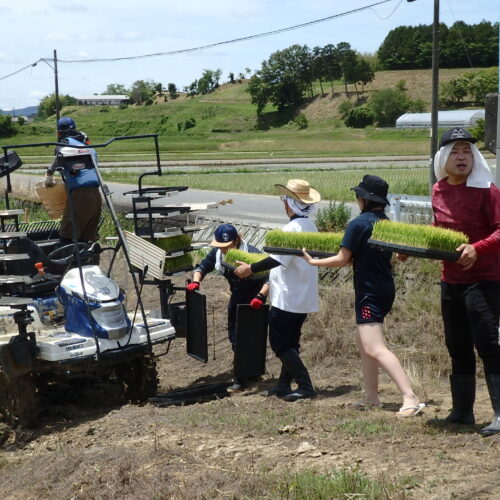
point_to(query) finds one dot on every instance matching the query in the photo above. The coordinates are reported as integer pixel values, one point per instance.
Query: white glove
(49, 181)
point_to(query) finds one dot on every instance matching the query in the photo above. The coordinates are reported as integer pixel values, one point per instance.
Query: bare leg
(370, 375)
(371, 338)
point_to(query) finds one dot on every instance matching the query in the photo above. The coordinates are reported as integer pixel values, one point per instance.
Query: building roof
(103, 97)
(457, 118)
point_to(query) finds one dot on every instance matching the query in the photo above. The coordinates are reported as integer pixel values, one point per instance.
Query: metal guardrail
(253, 234)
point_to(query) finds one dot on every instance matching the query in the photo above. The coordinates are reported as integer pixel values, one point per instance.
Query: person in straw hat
(464, 199)
(294, 293)
(227, 237)
(374, 294)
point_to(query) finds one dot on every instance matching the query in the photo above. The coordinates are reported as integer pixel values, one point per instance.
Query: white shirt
(294, 284)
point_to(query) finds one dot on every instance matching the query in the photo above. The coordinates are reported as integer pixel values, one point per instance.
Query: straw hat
(299, 190)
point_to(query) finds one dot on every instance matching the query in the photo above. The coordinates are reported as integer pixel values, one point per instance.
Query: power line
(234, 40)
(211, 45)
(22, 69)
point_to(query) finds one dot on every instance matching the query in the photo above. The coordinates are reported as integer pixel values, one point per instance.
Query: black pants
(470, 315)
(285, 330)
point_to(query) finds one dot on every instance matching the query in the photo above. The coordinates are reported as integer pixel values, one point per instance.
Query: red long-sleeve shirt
(475, 212)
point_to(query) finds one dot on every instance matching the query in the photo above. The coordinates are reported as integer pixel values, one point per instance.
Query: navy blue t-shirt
(372, 267)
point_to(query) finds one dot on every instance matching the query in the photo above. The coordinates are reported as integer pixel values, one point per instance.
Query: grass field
(333, 184)
(226, 126)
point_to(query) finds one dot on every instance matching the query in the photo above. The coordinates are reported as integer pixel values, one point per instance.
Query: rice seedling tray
(298, 253)
(256, 276)
(423, 253)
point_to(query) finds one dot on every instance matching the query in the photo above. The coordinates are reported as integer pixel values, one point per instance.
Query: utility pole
(435, 92)
(497, 142)
(58, 106)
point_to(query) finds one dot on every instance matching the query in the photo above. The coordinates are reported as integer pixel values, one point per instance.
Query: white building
(446, 119)
(102, 100)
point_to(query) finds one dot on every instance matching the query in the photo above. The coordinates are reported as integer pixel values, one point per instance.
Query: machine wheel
(138, 378)
(19, 401)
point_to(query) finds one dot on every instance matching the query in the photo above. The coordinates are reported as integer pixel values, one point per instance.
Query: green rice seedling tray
(298, 253)
(238, 255)
(256, 276)
(423, 253)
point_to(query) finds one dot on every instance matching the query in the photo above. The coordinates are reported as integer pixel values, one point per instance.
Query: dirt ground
(248, 446)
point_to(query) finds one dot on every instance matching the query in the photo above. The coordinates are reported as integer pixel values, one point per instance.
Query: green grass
(320, 242)
(333, 184)
(418, 235)
(343, 483)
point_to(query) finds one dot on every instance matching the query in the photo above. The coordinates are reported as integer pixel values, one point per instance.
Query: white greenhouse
(446, 119)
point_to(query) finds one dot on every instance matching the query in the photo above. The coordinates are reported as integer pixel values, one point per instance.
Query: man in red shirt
(464, 199)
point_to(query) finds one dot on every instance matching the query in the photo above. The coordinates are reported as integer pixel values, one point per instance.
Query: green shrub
(478, 130)
(186, 124)
(333, 218)
(301, 121)
(320, 242)
(418, 235)
(359, 117)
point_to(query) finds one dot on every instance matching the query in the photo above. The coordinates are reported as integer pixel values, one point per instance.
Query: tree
(172, 91)
(454, 90)
(115, 89)
(47, 106)
(363, 72)
(387, 105)
(282, 79)
(6, 126)
(348, 63)
(329, 63)
(141, 91)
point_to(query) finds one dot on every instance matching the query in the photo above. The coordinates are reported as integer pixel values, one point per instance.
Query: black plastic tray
(422, 253)
(298, 253)
(256, 276)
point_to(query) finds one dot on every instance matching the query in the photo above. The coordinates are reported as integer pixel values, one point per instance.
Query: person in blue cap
(251, 292)
(81, 183)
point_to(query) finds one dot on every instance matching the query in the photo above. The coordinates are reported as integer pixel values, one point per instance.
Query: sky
(89, 29)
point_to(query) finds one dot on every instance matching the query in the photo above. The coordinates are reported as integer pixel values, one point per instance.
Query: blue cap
(224, 235)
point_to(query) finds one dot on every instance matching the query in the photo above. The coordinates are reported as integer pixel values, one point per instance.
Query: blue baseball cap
(224, 235)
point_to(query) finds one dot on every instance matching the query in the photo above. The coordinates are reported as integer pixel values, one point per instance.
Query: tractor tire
(19, 401)
(138, 378)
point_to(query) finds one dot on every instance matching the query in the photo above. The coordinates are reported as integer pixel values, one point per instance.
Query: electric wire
(211, 45)
(460, 34)
(384, 18)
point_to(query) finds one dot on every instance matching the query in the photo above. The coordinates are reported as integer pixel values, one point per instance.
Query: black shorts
(372, 309)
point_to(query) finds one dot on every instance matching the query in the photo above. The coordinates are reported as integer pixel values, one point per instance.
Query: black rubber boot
(493, 382)
(282, 388)
(294, 365)
(463, 394)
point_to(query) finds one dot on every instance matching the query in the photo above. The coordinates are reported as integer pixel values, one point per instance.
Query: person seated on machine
(83, 207)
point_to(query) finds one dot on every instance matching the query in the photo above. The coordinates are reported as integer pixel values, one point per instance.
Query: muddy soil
(245, 445)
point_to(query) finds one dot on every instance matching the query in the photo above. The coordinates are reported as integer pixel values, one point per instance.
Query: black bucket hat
(456, 134)
(372, 188)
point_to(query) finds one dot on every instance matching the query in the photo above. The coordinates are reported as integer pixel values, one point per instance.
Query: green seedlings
(178, 263)
(320, 242)
(174, 243)
(418, 235)
(234, 255)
